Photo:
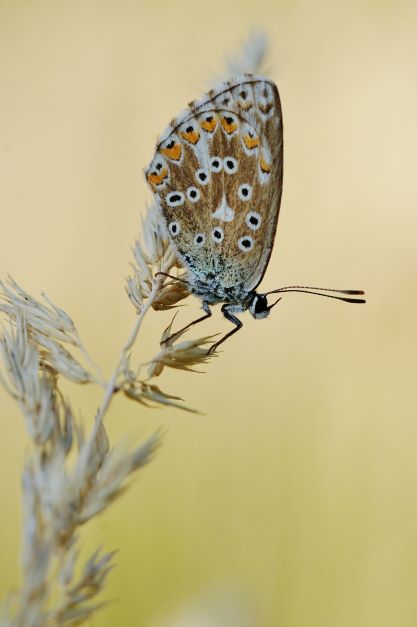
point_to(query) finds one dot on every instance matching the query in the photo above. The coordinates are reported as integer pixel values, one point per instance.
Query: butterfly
(217, 178)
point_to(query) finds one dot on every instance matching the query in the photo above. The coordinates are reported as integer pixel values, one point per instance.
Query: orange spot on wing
(229, 124)
(156, 179)
(209, 124)
(265, 166)
(174, 152)
(250, 142)
(191, 137)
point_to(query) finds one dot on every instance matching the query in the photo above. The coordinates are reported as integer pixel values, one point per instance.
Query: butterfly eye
(216, 164)
(199, 239)
(193, 194)
(245, 243)
(174, 228)
(230, 165)
(253, 220)
(217, 234)
(175, 199)
(245, 191)
(202, 177)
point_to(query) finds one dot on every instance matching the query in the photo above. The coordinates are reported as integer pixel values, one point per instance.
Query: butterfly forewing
(217, 175)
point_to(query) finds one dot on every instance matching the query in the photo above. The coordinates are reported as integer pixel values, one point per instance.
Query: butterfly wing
(217, 176)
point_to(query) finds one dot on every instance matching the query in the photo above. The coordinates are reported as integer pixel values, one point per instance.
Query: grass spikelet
(180, 356)
(71, 475)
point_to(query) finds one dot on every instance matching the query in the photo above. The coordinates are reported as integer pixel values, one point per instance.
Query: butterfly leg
(205, 307)
(170, 276)
(227, 311)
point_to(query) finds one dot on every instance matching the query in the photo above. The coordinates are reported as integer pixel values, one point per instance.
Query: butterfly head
(259, 307)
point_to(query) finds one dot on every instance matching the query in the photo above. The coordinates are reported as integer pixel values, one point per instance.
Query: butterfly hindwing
(217, 174)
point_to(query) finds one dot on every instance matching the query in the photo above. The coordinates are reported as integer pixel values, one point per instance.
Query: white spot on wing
(175, 199)
(174, 228)
(245, 191)
(253, 220)
(230, 165)
(216, 164)
(217, 234)
(193, 194)
(224, 212)
(245, 243)
(202, 176)
(199, 239)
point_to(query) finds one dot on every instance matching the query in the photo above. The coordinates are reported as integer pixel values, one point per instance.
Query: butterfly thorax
(213, 291)
(236, 299)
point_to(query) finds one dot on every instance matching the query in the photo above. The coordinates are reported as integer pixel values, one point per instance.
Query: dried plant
(71, 475)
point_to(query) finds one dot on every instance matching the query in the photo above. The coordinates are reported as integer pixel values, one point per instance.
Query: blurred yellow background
(297, 490)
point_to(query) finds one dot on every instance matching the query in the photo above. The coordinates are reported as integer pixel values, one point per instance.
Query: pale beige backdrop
(297, 490)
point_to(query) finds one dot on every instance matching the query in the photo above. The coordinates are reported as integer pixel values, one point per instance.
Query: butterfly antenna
(273, 304)
(318, 291)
